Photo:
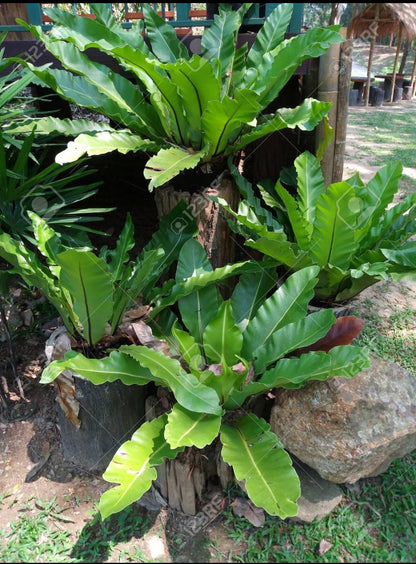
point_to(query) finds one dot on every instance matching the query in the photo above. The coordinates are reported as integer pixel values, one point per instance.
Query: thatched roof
(391, 18)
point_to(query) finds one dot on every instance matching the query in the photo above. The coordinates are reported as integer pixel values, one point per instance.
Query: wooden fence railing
(183, 16)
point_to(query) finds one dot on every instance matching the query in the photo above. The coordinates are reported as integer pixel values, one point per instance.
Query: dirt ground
(32, 461)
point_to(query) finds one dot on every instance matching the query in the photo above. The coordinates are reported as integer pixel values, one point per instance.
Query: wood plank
(169, 15)
(9, 12)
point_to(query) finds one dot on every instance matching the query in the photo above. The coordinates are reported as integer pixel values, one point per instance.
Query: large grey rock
(347, 429)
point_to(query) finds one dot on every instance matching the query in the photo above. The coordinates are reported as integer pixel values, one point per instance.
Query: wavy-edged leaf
(115, 366)
(87, 278)
(102, 33)
(48, 241)
(197, 302)
(163, 39)
(287, 304)
(163, 92)
(103, 142)
(342, 361)
(311, 185)
(188, 391)
(276, 246)
(133, 466)
(222, 338)
(332, 241)
(404, 255)
(271, 34)
(218, 41)
(302, 229)
(376, 196)
(196, 85)
(222, 120)
(305, 116)
(31, 269)
(81, 91)
(67, 127)
(197, 290)
(261, 214)
(118, 257)
(186, 428)
(250, 292)
(296, 335)
(247, 216)
(134, 278)
(168, 163)
(133, 109)
(239, 67)
(278, 65)
(175, 229)
(258, 458)
(395, 227)
(189, 348)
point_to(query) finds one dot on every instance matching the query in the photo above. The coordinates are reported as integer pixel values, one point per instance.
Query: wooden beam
(393, 80)
(370, 56)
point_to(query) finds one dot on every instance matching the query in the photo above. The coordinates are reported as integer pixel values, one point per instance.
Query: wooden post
(370, 57)
(328, 92)
(393, 80)
(340, 136)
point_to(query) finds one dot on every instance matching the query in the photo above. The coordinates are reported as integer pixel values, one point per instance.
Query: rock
(348, 429)
(318, 496)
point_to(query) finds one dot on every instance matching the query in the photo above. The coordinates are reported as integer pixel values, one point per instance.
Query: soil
(32, 461)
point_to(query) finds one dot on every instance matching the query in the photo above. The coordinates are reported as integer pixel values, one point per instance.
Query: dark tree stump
(94, 420)
(109, 415)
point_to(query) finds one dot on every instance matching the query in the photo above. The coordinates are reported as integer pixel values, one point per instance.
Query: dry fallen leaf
(245, 508)
(324, 546)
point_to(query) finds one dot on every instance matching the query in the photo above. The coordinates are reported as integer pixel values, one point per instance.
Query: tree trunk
(336, 13)
(187, 482)
(214, 232)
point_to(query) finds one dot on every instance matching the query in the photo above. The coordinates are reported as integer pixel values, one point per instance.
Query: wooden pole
(344, 81)
(328, 92)
(393, 80)
(370, 57)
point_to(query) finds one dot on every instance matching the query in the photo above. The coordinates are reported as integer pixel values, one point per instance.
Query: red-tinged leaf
(343, 332)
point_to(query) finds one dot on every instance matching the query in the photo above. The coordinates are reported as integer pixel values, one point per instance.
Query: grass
(376, 524)
(391, 133)
(40, 535)
(393, 339)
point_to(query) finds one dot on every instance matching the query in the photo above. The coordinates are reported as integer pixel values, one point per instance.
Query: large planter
(94, 420)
